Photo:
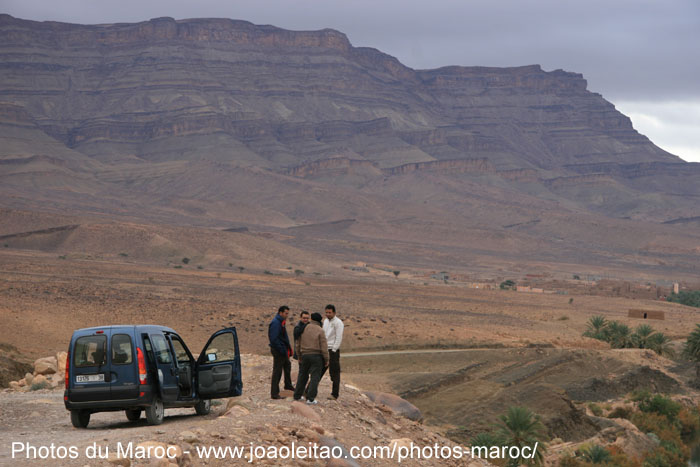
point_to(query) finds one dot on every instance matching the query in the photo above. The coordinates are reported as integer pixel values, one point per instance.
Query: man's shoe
(278, 397)
(289, 388)
(332, 398)
(314, 402)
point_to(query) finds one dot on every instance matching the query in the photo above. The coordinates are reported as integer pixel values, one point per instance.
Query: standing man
(281, 351)
(333, 328)
(304, 318)
(312, 348)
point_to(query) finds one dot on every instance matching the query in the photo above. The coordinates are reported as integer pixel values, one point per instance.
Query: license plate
(90, 378)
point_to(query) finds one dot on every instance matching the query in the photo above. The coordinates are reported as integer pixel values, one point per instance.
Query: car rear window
(90, 351)
(121, 349)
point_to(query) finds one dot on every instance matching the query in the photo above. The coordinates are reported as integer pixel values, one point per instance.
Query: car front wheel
(155, 412)
(80, 418)
(203, 407)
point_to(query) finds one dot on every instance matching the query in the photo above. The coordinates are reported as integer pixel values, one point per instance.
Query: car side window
(220, 349)
(90, 351)
(181, 354)
(121, 349)
(160, 347)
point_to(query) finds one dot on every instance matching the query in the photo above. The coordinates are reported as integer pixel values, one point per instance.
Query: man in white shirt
(333, 327)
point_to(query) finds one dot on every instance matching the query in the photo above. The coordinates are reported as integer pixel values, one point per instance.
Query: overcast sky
(642, 55)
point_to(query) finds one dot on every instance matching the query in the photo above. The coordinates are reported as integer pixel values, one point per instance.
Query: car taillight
(142, 366)
(67, 369)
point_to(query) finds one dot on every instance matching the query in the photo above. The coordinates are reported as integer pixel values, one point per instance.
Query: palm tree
(597, 454)
(520, 427)
(595, 327)
(640, 338)
(618, 335)
(661, 344)
(692, 350)
(485, 439)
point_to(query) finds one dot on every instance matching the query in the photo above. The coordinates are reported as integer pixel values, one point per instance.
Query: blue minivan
(137, 368)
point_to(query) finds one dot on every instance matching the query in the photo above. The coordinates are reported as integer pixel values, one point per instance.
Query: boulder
(28, 377)
(305, 411)
(45, 366)
(61, 361)
(397, 404)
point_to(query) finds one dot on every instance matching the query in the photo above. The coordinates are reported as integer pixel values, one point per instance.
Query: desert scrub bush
(41, 385)
(620, 412)
(595, 409)
(660, 405)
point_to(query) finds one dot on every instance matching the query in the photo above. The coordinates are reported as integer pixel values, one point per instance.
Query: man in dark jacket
(281, 351)
(313, 357)
(304, 318)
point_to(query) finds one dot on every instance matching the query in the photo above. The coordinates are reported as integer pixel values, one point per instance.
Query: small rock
(237, 411)
(29, 378)
(310, 435)
(305, 411)
(22, 383)
(150, 446)
(114, 460)
(318, 429)
(40, 379)
(400, 442)
(189, 437)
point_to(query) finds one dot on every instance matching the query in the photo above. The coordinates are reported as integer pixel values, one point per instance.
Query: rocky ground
(39, 418)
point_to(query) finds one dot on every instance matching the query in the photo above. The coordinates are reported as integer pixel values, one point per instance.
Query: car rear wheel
(155, 412)
(80, 418)
(203, 407)
(133, 414)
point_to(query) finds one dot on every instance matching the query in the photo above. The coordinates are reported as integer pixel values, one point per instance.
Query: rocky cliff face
(292, 97)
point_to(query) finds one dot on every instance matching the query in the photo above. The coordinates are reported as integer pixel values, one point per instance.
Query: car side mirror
(211, 357)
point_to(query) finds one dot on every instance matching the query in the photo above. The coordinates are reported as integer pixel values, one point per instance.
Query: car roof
(140, 327)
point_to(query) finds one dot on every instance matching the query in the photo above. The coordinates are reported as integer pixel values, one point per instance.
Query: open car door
(219, 366)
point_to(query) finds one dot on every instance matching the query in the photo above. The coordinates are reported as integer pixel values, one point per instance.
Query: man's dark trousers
(310, 364)
(334, 370)
(280, 364)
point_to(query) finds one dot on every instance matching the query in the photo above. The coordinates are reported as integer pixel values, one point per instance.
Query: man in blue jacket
(281, 351)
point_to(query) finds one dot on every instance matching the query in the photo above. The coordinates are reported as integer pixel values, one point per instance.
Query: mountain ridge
(214, 122)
